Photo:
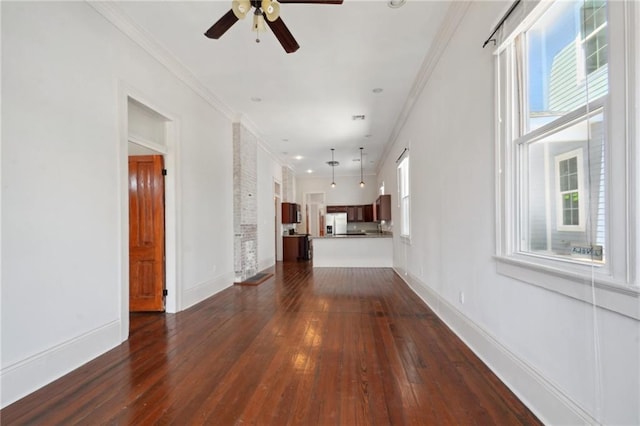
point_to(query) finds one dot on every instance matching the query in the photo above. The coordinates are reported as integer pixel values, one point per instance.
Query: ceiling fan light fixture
(241, 8)
(271, 9)
(258, 22)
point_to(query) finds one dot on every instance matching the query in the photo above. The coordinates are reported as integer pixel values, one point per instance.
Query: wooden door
(146, 233)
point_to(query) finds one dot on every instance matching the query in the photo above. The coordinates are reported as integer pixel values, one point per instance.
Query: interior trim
(113, 14)
(541, 396)
(449, 26)
(205, 289)
(26, 376)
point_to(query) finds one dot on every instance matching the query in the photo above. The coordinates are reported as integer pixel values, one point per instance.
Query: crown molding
(116, 16)
(454, 15)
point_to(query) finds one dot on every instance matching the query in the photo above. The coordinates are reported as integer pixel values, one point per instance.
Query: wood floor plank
(343, 346)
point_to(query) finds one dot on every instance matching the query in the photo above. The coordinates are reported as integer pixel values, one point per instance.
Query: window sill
(589, 285)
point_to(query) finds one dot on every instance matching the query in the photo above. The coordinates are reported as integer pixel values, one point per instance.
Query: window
(594, 35)
(561, 207)
(570, 210)
(564, 118)
(564, 130)
(403, 192)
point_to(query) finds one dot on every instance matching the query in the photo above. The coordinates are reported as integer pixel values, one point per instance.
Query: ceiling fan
(269, 9)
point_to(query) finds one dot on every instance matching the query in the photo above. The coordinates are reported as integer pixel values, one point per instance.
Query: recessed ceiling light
(285, 140)
(256, 99)
(357, 117)
(367, 136)
(298, 157)
(377, 90)
(309, 171)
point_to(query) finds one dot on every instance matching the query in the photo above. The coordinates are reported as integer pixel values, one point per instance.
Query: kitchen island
(353, 251)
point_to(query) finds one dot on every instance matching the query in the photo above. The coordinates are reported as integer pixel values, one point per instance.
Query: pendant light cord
(361, 174)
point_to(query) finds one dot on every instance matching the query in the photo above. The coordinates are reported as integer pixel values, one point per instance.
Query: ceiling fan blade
(312, 1)
(223, 24)
(283, 35)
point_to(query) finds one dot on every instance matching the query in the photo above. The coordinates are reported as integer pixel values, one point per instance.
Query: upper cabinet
(337, 209)
(367, 210)
(383, 208)
(291, 213)
(362, 213)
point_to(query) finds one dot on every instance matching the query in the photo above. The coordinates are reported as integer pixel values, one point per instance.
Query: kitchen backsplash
(362, 226)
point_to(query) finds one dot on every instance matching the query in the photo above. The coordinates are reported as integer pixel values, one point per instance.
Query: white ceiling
(307, 97)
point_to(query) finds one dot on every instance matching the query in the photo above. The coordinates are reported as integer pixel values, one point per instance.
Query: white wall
(64, 70)
(346, 192)
(568, 361)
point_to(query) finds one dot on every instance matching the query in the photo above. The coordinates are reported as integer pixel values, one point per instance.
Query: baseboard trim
(206, 289)
(541, 396)
(24, 377)
(266, 264)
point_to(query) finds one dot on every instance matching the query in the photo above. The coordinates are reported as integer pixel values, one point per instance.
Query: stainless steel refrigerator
(337, 222)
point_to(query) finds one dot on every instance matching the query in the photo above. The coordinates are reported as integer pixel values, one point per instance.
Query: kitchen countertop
(359, 235)
(374, 250)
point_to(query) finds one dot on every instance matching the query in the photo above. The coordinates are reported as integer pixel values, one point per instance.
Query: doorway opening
(278, 220)
(314, 213)
(150, 219)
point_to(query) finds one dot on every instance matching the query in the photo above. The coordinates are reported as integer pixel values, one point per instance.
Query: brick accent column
(245, 202)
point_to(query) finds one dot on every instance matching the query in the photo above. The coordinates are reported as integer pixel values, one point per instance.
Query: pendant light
(361, 177)
(333, 165)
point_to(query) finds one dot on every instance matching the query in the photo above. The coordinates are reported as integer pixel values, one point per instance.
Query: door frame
(278, 218)
(306, 204)
(170, 152)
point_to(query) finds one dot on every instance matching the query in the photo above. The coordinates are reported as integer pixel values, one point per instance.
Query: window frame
(583, 43)
(578, 154)
(404, 197)
(614, 286)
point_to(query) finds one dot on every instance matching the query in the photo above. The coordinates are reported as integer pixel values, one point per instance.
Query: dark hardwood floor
(311, 347)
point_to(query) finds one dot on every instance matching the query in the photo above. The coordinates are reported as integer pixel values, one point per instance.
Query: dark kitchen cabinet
(354, 214)
(296, 247)
(291, 213)
(383, 208)
(337, 209)
(367, 213)
(363, 213)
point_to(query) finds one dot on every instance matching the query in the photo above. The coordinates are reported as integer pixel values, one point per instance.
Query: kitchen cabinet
(337, 209)
(296, 247)
(291, 213)
(367, 213)
(382, 209)
(354, 214)
(362, 213)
